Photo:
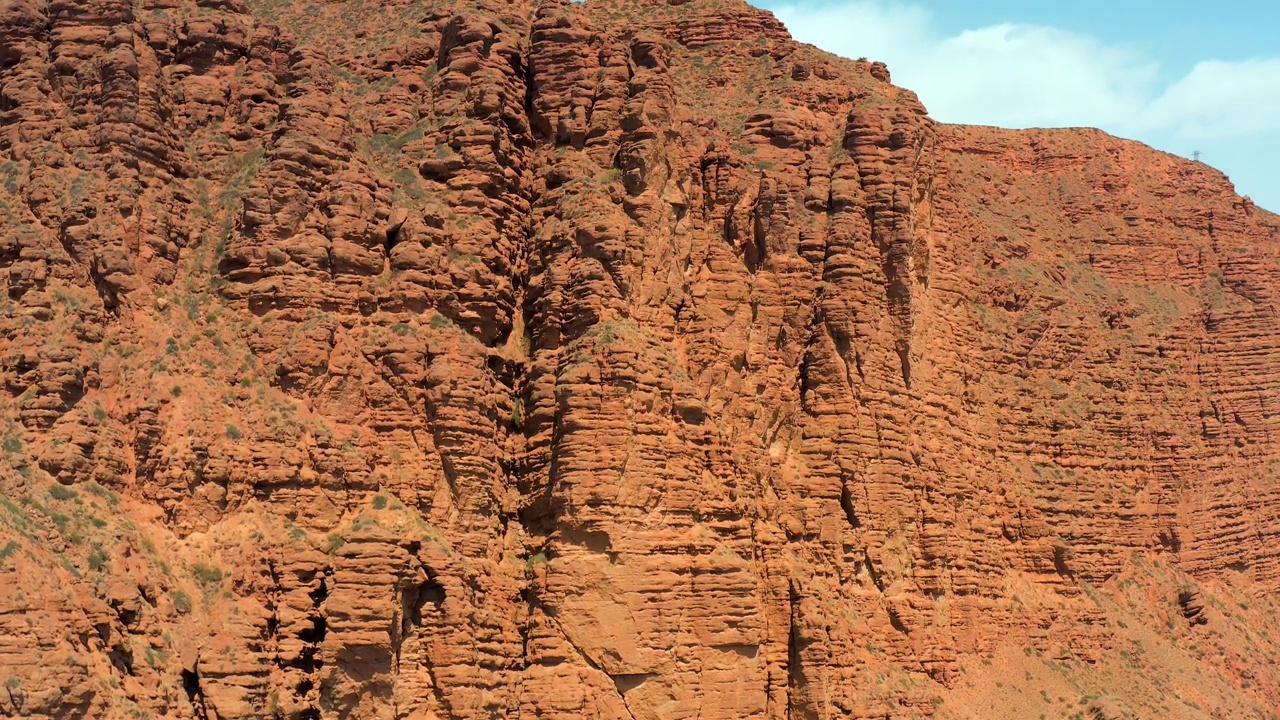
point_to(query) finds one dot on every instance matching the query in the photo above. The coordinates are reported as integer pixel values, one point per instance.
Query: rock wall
(618, 359)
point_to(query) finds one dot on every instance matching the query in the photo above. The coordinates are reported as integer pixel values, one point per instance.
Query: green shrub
(206, 574)
(101, 492)
(98, 559)
(61, 492)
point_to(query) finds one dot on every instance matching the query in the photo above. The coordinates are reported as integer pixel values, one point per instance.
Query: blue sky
(1180, 76)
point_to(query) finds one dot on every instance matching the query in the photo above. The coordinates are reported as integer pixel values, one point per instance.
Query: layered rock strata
(607, 360)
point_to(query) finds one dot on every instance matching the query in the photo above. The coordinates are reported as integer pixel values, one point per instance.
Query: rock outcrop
(617, 359)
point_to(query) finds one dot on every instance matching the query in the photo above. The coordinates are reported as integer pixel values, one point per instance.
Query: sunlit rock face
(409, 360)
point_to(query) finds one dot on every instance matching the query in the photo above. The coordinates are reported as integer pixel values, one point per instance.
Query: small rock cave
(122, 658)
(128, 616)
(392, 237)
(430, 591)
(627, 682)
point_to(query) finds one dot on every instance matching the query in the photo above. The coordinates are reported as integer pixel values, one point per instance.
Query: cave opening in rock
(392, 237)
(195, 694)
(415, 599)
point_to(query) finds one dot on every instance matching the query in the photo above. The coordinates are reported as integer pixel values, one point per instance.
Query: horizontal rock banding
(603, 360)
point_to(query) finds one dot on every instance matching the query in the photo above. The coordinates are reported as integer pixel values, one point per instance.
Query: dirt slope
(410, 360)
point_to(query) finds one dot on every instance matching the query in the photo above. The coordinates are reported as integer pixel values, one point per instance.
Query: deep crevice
(191, 685)
(797, 682)
(392, 237)
(846, 503)
(319, 595)
(1061, 556)
(871, 570)
(122, 658)
(314, 635)
(895, 619)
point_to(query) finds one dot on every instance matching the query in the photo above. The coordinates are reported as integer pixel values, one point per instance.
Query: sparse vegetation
(61, 492)
(98, 559)
(517, 413)
(9, 549)
(206, 575)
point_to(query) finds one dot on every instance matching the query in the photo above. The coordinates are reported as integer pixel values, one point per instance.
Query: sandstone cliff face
(607, 360)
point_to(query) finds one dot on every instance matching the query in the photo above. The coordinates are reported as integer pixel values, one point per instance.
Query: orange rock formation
(623, 359)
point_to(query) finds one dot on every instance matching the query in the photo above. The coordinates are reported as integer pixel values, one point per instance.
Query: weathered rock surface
(617, 359)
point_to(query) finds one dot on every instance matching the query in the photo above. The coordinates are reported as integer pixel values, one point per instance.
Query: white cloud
(1219, 100)
(1012, 75)
(1023, 75)
(1018, 75)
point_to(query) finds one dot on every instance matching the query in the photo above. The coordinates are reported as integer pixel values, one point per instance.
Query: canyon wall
(622, 359)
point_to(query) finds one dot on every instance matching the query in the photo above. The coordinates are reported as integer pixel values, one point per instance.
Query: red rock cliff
(621, 359)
